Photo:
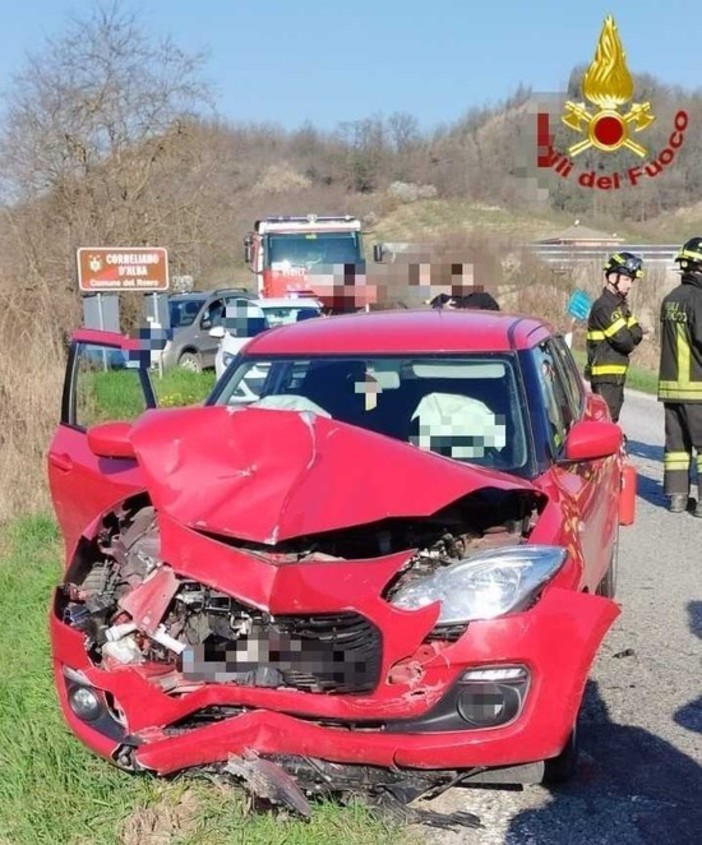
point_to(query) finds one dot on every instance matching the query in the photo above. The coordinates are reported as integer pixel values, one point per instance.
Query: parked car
(245, 321)
(388, 562)
(192, 316)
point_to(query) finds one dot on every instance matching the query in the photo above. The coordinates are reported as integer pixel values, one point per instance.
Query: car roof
(196, 294)
(404, 331)
(205, 294)
(292, 302)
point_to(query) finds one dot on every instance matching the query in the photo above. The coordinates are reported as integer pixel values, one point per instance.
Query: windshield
(313, 249)
(467, 408)
(281, 315)
(182, 312)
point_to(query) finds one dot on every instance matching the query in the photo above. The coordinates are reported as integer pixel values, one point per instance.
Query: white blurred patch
(444, 417)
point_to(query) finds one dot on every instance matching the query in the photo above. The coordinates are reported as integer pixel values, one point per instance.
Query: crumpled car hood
(264, 476)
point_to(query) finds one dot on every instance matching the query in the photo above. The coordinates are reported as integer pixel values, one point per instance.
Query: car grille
(331, 653)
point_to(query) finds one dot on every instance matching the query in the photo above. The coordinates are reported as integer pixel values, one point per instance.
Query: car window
(214, 315)
(107, 385)
(182, 312)
(281, 315)
(554, 395)
(571, 376)
(466, 408)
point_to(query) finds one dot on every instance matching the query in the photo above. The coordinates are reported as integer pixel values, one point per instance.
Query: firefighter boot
(678, 503)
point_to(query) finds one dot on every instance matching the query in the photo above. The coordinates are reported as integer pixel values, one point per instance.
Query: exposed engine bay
(135, 610)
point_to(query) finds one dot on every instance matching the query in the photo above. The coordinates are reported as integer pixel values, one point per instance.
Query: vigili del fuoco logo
(608, 125)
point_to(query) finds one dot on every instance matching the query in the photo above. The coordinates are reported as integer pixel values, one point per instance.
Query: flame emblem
(607, 84)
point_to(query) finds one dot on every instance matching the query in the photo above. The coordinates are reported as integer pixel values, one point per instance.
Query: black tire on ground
(563, 768)
(190, 361)
(608, 585)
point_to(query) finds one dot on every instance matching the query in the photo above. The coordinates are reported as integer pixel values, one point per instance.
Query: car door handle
(62, 461)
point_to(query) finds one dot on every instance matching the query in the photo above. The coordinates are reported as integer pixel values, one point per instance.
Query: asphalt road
(640, 767)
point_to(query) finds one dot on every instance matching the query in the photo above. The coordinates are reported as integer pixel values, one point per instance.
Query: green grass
(182, 387)
(118, 395)
(53, 791)
(637, 378)
(110, 395)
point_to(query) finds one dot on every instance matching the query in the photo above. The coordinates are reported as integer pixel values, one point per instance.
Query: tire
(608, 585)
(561, 769)
(190, 361)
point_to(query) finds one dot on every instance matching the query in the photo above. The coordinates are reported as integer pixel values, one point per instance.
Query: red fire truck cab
(312, 255)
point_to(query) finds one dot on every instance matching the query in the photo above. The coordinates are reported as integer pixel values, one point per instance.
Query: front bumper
(556, 641)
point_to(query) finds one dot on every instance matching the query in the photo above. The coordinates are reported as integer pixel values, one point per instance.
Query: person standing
(613, 332)
(680, 379)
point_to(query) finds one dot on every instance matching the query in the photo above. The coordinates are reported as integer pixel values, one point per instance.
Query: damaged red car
(383, 552)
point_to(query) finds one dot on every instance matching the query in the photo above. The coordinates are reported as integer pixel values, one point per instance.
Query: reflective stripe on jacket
(680, 370)
(612, 334)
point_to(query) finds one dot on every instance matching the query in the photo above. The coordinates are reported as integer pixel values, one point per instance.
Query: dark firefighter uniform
(612, 335)
(680, 377)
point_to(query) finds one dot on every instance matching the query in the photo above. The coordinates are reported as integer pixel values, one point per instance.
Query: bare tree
(92, 124)
(101, 89)
(404, 131)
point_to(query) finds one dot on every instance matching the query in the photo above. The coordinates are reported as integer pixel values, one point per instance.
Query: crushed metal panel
(224, 471)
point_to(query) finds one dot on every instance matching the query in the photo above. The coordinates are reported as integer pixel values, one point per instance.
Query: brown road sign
(142, 268)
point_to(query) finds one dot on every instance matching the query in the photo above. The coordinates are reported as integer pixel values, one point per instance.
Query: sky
(327, 61)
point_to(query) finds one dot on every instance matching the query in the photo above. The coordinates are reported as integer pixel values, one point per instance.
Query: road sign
(117, 269)
(579, 305)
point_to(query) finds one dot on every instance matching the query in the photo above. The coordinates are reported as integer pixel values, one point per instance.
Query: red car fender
(558, 640)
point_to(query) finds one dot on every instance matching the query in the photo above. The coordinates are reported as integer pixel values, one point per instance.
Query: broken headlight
(486, 585)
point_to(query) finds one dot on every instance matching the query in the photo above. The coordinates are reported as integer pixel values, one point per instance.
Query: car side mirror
(378, 253)
(248, 250)
(217, 332)
(589, 440)
(111, 440)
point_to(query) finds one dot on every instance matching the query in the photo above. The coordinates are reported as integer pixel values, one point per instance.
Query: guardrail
(559, 253)
(562, 253)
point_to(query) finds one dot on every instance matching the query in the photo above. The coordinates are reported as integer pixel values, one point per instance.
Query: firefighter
(612, 331)
(680, 379)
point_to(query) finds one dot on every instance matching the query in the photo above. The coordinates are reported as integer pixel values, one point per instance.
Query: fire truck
(312, 256)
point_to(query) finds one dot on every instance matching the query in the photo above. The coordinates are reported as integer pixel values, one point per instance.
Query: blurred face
(624, 285)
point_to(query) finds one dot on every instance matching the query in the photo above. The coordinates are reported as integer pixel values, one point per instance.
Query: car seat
(332, 386)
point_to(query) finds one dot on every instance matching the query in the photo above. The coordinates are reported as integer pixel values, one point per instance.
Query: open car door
(107, 379)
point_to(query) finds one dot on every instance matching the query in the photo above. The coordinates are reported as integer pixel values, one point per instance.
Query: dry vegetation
(105, 146)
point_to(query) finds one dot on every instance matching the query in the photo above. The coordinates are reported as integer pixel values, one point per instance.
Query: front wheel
(563, 768)
(608, 585)
(190, 361)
